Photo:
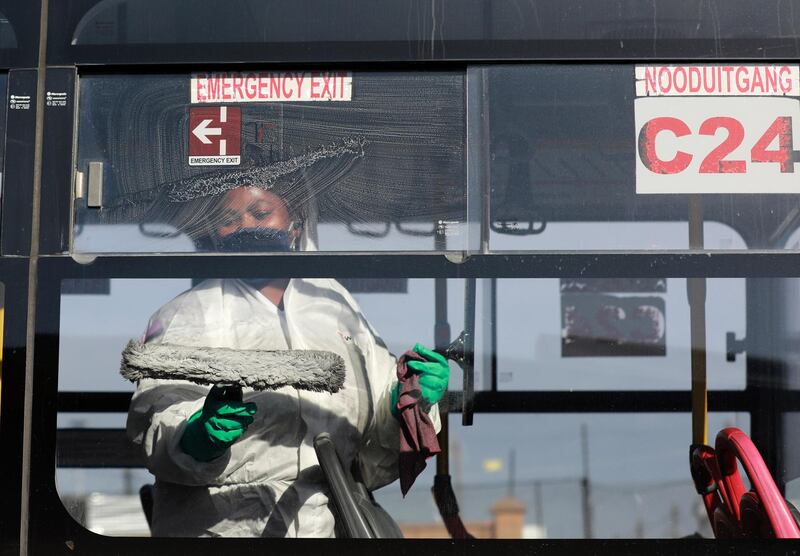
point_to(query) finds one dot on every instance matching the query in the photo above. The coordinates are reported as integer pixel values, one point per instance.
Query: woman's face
(251, 207)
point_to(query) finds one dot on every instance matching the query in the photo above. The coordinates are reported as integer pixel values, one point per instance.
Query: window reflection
(382, 169)
(558, 146)
(508, 485)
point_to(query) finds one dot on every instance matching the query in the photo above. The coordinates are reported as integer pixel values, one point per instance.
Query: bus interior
(628, 366)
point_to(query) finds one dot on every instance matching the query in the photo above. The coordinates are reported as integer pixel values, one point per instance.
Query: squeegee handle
(461, 352)
(228, 392)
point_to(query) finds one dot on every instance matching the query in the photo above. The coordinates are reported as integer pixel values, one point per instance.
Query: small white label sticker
(56, 99)
(214, 160)
(448, 228)
(19, 102)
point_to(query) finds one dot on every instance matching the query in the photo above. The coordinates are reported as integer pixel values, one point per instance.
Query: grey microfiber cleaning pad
(320, 371)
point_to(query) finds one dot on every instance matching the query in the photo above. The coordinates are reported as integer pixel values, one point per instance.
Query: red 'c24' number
(715, 162)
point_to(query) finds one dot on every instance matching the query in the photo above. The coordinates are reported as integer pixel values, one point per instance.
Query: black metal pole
(586, 495)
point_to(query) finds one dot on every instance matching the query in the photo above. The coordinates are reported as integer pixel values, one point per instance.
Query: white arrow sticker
(202, 131)
(215, 136)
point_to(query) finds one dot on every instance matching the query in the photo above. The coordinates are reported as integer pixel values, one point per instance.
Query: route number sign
(698, 132)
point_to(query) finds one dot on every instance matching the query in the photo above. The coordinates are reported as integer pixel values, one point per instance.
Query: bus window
(97, 493)
(569, 475)
(100, 471)
(562, 150)
(611, 334)
(377, 165)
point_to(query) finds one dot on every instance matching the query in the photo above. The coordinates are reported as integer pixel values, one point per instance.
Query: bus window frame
(49, 522)
(18, 167)
(14, 275)
(60, 151)
(52, 531)
(64, 17)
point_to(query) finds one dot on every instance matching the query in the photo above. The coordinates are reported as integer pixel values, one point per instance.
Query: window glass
(614, 334)
(100, 468)
(558, 146)
(101, 324)
(550, 334)
(789, 423)
(791, 370)
(611, 334)
(631, 493)
(335, 161)
(102, 456)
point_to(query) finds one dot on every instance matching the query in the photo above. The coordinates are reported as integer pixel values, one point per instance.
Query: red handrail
(717, 478)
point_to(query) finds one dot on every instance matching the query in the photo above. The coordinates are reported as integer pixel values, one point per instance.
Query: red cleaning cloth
(418, 439)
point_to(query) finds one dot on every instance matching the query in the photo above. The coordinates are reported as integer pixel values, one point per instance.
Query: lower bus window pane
(274, 428)
(531, 484)
(610, 334)
(267, 438)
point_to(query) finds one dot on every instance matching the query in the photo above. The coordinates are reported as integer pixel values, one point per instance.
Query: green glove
(211, 431)
(433, 374)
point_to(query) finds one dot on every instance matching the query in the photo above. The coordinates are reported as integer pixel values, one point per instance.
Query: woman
(249, 468)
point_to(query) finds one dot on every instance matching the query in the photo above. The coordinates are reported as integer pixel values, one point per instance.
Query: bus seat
(378, 519)
(753, 517)
(358, 515)
(377, 523)
(734, 511)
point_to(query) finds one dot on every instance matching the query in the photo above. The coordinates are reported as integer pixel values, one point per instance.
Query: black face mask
(254, 240)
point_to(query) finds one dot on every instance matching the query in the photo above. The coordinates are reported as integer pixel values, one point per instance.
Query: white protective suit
(269, 482)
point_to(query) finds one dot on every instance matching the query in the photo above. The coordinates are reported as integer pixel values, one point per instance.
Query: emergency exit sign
(717, 129)
(215, 136)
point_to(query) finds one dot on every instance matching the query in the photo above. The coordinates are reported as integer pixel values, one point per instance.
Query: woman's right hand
(213, 429)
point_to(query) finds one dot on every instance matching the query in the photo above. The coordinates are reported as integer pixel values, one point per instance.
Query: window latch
(733, 346)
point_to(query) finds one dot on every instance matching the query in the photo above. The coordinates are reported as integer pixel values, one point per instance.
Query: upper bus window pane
(560, 148)
(265, 161)
(249, 21)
